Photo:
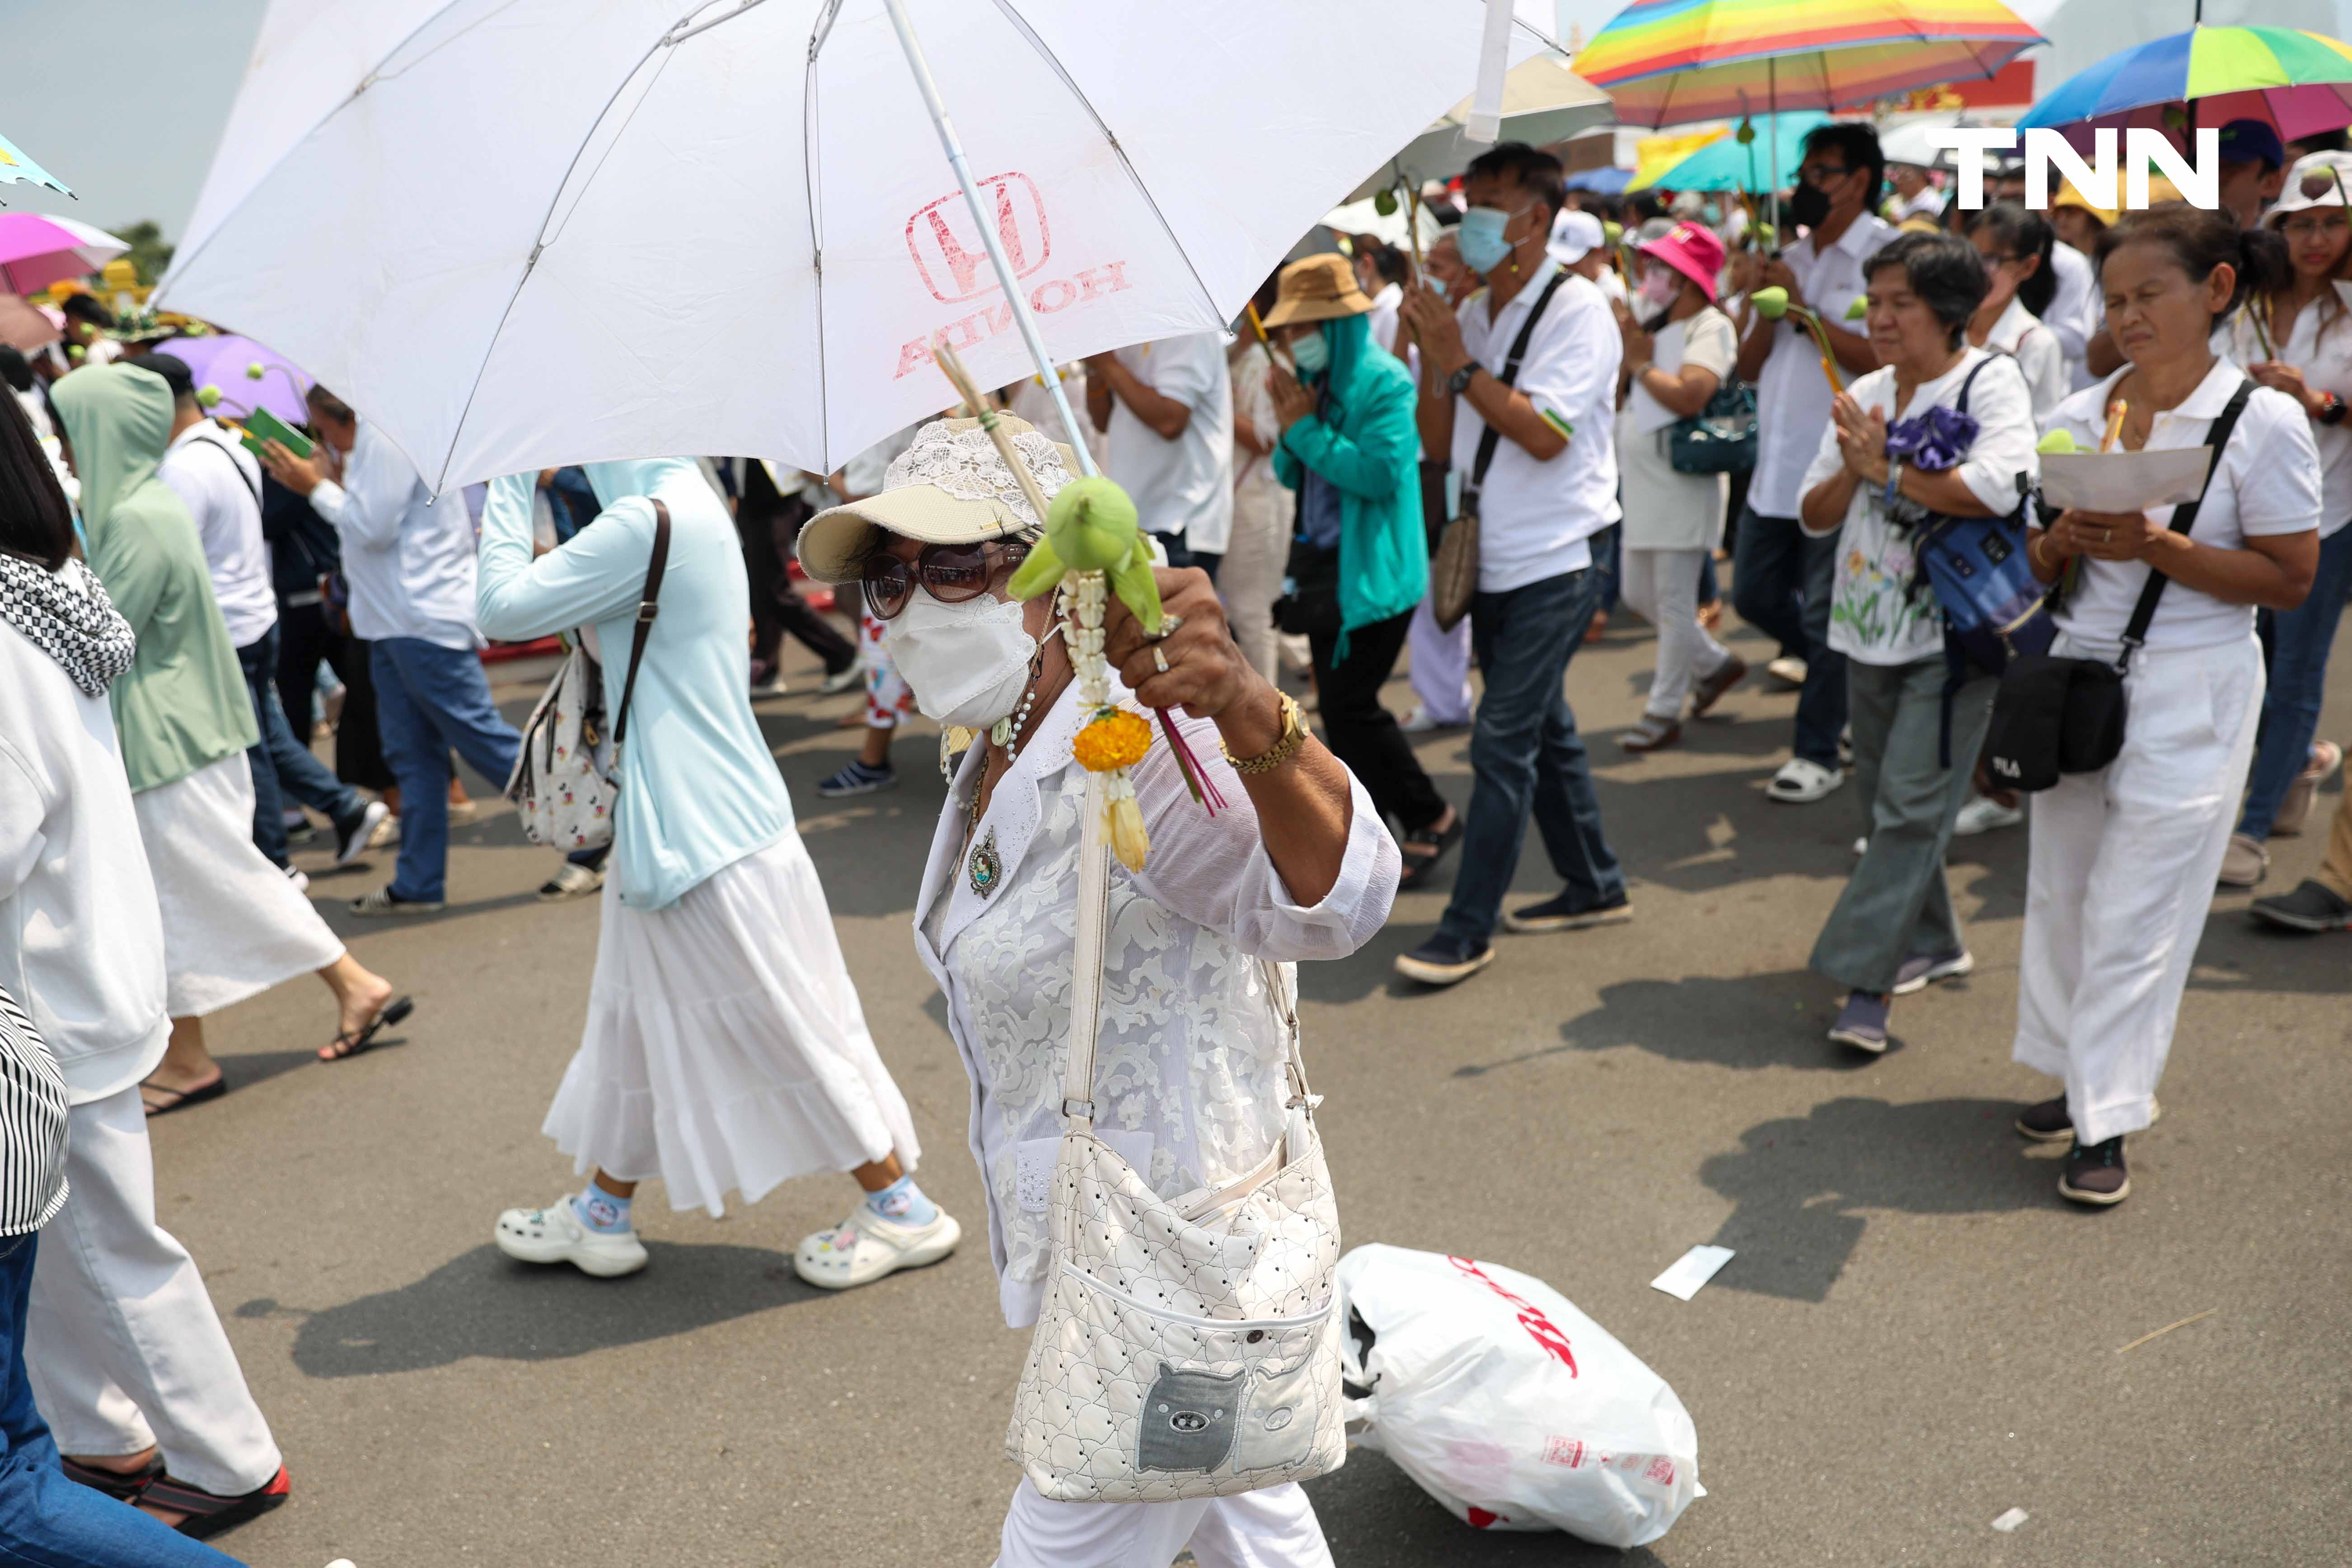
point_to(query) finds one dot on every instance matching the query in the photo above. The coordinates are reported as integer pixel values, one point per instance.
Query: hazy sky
(121, 99)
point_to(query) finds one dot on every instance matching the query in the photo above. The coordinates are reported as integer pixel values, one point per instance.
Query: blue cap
(2251, 142)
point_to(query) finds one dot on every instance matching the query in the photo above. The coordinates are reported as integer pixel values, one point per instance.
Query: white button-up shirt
(1792, 396)
(2265, 482)
(1184, 486)
(408, 558)
(2319, 345)
(1535, 515)
(221, 484)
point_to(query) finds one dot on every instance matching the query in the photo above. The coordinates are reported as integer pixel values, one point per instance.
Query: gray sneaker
(1920, 972)
(1862, 1021)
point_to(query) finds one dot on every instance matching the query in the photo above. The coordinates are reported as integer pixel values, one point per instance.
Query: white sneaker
(865, 1246)
(554, 1235)
(1788, 669)
(841, 680)
(299, 878)
(1982, 814)
(571, 881)
(1801, 782)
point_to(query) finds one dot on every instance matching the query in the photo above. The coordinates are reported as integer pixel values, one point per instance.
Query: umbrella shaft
(986, 223)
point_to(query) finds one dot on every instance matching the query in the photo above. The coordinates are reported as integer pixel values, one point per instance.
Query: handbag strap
(647, 608)
(2184, 518)
(1086, 977)
(1508, 376)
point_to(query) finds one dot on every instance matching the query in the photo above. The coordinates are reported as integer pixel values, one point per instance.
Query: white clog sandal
(865, 1246)
(554, 1235)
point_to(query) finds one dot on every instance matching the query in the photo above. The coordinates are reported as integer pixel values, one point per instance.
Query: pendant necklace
(984, 868)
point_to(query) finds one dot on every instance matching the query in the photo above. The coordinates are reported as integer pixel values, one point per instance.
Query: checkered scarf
(66, 615)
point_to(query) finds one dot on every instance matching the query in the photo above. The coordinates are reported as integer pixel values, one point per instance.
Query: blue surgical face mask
(1710, 215)
(1480, 236)
(1311, 353)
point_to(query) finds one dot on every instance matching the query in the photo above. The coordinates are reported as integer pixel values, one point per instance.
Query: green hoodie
(184, 704)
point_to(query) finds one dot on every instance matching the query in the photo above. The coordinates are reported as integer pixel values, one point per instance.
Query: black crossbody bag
(2055, 715)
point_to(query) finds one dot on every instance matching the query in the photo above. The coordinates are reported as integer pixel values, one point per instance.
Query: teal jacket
(1366, 443)
(699, 788)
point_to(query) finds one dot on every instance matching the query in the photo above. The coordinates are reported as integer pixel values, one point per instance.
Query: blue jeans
(430, 700)
(1781, 582)
(47, 1520)
(1608, 568)
(281, 764)
(1525, 753)
(2301, 641)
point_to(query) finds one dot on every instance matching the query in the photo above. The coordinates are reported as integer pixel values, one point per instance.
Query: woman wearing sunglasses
(2297, 338)
(725, 1046)
(1192, 1042)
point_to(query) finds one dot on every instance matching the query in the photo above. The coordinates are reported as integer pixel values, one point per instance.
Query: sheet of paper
(2124, 481)
(1690, 1270)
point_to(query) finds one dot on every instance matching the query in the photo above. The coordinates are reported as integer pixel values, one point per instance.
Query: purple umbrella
(249, 375)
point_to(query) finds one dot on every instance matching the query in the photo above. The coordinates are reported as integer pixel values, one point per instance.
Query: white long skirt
(233, 925)
(725, 1046)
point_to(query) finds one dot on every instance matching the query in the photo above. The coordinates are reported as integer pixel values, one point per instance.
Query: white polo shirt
(221, 483)
(2075, 312)
(2267, 482)
(1184, 486)
(1535, 515)
(1792, 396)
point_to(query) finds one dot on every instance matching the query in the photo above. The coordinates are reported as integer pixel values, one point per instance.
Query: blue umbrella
(1600, 182)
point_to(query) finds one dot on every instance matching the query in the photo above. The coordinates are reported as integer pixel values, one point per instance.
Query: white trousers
(1275, 1527)
(1441, 665)
(121, 1343)
(1661, 585)
(2120, 877)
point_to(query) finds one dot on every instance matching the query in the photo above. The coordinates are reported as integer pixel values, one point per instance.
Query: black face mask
(1808, 204)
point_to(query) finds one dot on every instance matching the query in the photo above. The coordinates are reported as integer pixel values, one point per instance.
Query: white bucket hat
(2316, 180)
(950, 486)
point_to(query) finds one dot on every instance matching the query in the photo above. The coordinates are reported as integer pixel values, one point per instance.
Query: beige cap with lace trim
(950, 486)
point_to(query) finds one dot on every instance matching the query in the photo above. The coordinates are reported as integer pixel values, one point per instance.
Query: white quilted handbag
(567, 772)
(1188, 1347)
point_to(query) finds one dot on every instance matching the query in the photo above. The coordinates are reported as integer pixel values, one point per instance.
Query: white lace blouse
(1189, 1055)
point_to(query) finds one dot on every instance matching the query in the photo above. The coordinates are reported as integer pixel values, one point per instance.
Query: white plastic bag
(1507, 1404)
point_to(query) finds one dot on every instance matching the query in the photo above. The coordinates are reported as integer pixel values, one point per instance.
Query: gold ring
(1159, 660)
(1170, 625)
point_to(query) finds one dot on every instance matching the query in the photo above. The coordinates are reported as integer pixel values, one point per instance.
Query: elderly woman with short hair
(1191, 1060)
(1894, 929)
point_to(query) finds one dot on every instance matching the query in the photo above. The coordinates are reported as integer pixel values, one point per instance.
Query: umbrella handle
(986, 223)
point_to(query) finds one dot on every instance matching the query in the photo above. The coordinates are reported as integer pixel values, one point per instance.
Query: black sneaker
(2047, 1122)
(2311, 907)
(1445, 960)
(2094, 1173)
(1570, 910)
(352, 836)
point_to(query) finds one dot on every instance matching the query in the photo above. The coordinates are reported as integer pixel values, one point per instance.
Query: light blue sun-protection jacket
(699, 788)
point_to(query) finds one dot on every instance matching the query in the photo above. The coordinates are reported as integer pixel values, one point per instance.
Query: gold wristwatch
(1294, 735)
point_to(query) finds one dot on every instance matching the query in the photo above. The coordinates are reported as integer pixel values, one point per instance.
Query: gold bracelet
(1294, 735)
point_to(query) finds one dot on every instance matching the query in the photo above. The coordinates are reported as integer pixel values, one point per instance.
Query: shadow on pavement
(1777, 1020)
(1804, 1184)
(483, 1303)
(1374, 1515)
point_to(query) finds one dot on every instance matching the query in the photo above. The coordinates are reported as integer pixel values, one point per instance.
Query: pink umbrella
(230, 362)
(37, 250)
(23, 325)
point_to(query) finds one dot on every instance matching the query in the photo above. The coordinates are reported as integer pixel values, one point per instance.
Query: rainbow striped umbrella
(16, 168)
(1665, 62)
(2299, 82)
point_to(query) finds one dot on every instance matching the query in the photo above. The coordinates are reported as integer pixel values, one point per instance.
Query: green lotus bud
(1858, 309)
(253, 371)
(1092, 524)
(1746, 134)
(1385, 202)
(2057, 443)
(1038, 573)
(1767, 236)
(1771, 303)
(77, 353)
(209, 395)
(1612, 231)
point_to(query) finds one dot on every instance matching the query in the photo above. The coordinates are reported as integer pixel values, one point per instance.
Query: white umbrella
(521, 232)
(1390, 228)
(1544, 101)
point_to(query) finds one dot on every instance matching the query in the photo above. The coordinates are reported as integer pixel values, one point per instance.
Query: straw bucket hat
(950, 488)
(1318, 288)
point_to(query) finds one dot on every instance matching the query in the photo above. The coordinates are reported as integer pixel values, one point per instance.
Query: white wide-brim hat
(2316, 180)
(950, 486)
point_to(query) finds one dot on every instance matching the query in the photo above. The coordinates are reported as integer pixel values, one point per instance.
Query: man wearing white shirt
(1379, 273)
(409, 560)
(1914, 195)
(1782, 579)
(1549, 485)
(221, 484)
(1167, 407)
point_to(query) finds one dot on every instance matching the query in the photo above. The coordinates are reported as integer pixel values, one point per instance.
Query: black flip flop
(121, 1485)
(349, 1045)
(210, 1513)
(1419, 868)
(184, 1097)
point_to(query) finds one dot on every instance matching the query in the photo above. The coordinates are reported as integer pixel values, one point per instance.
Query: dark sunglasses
(1814, 174)
(951, 574)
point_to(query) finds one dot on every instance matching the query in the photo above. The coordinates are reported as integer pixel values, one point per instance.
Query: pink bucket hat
(1691, 249)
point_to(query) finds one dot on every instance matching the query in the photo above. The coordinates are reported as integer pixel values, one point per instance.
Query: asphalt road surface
(1915, 1335)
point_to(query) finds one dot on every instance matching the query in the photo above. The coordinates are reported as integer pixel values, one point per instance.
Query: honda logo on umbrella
(953, 258)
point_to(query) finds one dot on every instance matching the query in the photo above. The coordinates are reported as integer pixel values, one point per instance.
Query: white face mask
(965, 663)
